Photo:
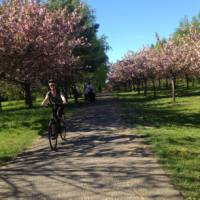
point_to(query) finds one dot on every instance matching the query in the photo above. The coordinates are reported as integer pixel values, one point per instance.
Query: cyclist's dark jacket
(55, 99)
(59, 99)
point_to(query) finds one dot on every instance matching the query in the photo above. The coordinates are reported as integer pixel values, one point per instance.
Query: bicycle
(55, 128)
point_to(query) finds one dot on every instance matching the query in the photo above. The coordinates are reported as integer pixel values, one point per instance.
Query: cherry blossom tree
(175, 58)
(36, 44)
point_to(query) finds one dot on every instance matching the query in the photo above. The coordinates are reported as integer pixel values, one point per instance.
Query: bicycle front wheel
(53, 135)
(63, 133)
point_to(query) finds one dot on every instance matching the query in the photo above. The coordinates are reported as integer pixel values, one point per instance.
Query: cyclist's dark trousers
(58, 112)
(91, 96)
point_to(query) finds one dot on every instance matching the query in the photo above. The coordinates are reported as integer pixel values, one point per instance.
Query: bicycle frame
(55, 129)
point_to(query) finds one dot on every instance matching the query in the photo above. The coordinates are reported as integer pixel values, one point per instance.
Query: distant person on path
(89, 92)
(55, 98)
(85, 92)
(75, 93)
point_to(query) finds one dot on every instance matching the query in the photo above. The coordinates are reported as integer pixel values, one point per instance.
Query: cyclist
(55, 98)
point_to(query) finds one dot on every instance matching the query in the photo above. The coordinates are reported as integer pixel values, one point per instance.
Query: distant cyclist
(56, 99)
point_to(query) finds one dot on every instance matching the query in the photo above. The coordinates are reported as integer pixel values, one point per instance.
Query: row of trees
(53, 40)
(177, 57)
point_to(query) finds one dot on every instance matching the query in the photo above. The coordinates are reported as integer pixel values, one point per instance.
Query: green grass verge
(173, 131)
(19, 126)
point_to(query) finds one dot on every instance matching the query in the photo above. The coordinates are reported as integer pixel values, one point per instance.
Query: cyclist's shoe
(53, 136)
(62, 125)
(59, 129)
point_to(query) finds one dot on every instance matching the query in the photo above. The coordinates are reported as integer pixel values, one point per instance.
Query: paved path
(101, 160)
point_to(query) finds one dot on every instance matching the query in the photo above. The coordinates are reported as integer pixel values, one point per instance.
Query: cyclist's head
(51, 84)
(51, 81)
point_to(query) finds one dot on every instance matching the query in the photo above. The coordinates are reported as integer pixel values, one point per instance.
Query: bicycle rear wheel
(53, 136)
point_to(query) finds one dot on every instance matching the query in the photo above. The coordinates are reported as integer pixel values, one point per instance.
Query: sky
(131, 24)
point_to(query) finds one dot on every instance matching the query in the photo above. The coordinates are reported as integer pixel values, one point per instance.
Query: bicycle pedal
(53, 137)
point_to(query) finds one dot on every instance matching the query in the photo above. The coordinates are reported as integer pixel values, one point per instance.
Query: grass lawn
(173, 131)
(19, 126)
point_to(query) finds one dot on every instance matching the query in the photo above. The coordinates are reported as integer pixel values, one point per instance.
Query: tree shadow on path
(102, 115)
(99, 160)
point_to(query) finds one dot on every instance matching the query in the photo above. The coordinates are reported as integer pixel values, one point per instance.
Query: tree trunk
(133, 85)
(159, 83)
(75, 94)
(142, 85)
(124, 87)
(66, 90)
(134, 88)
(154, 88)
(193, 82)
(28, 95)
(99, 88)
(129, 86)
(173, 88)
(187, 81)
(145, 87)
(175, 83)
(0, 105)
(166, 83)
(138, 86)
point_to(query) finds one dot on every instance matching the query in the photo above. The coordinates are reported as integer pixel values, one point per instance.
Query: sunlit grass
(173, 132)
(19, 126)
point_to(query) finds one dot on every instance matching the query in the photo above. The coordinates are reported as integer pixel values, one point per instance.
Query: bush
(10, 91)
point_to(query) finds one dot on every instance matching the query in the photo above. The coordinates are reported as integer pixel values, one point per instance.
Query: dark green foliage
(94, 55)
(10, 91)
(185, 24)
